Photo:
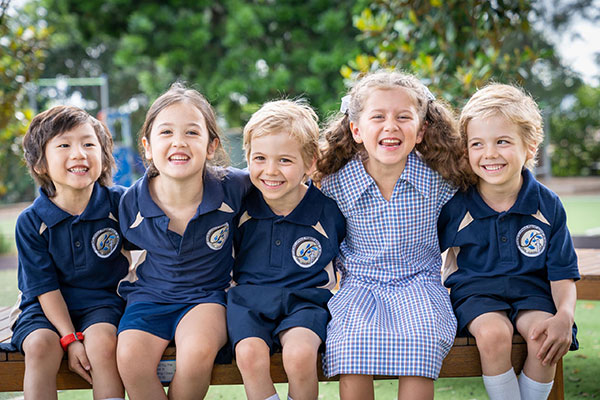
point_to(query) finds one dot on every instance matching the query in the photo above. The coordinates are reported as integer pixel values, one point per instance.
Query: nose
(271, 167)
(491, 151)
(77, 152)
(389, 125)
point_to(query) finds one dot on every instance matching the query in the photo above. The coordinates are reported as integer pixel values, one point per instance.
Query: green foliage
(22, 52)
(454, 45)
(238, 53)
(575, 131)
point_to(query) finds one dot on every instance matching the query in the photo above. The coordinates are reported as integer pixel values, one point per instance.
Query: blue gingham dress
(392, 315)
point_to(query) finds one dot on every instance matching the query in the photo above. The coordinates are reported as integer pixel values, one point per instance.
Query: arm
(557, 328)
(55, 309)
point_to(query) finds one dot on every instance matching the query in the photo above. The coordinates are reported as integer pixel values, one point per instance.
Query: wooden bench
(462, 361)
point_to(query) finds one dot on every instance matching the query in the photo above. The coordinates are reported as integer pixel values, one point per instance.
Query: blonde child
(512, 264)
(288, 235)
(70, 260)
(391, 316)
(181, 214)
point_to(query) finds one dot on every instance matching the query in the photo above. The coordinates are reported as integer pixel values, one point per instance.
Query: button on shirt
(293, 251)
(58, 250)
(529, 239)
(182, 269)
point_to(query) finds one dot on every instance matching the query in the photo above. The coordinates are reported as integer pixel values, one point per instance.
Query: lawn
(581, 368)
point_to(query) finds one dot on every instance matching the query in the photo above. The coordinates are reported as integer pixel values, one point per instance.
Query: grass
(581, 368)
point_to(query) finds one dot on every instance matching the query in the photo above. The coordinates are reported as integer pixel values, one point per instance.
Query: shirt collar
(212, 197)
(527, 202)
(307, 212)
(356, 180)
(98, 207)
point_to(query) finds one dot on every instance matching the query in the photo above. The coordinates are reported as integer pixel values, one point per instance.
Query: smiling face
(277, 169)
(74, 160)
(497, 152)
(389, 127)
(179, 142)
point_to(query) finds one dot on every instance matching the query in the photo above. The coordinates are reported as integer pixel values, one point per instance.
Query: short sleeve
(561, 259)
(36, 270)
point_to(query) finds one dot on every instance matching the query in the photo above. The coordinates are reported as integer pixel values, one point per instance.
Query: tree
(22, 51)
(238, 53)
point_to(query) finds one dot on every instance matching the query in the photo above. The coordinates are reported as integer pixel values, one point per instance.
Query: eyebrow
(169, 124)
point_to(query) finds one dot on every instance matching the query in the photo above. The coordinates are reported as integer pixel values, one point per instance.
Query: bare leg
(199, 336)
(138, 355)
(533, 368)
(356, 387)
(253, 360)
(43, 355)
(101, 349)
(415, 388)
(493, 332)
(300, 350)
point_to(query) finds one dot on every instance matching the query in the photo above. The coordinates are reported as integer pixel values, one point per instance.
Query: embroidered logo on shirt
(105, 242)
(216, 237)
(531, 240)
(306, 251)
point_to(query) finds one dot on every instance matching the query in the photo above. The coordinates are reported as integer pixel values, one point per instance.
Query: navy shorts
(511, 294)
(160, 319)
(265, 312)
(34, 318)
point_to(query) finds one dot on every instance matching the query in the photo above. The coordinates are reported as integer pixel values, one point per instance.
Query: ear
(421, 132)
(312, 168)
(355, 132)
(531, 150)
(147, 148)
(212, 148)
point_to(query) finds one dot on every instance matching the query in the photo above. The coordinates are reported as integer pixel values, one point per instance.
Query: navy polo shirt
(531, 239)
(78, 254)
(292, 251)
(182, 269)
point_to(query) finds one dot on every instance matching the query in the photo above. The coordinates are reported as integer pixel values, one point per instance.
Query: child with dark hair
(70, 256)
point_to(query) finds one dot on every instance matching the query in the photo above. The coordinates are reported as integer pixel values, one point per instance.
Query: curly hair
(54, 122)
(179, 93)
(441, 147)
(511, 103)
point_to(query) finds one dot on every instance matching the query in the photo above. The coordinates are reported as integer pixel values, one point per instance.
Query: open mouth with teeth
(271, 184)
(492, 167)
(178, 158)
(388, 142)
(78, 170)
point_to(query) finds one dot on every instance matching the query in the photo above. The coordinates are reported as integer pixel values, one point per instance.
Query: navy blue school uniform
(505, 260)
(178, 272)
(78, 254)
(284, 267)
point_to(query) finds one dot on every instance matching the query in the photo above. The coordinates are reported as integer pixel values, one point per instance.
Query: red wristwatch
(66, 340)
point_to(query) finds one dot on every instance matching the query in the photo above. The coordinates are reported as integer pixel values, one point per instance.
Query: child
(70, 260)
(288, 235)
(180, 212)
(516, 266)
(392, 316)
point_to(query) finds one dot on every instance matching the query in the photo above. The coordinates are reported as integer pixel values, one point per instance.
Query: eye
(404, 117)
(377, 116)
(63, 146)
(166, 132)
(89, 144)
(285, 160)
(475, 144)
(192, 133)
(503, 141)
(258, 158)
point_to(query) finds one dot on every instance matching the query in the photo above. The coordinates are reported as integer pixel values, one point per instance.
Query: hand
(78, 361)
(558, 337)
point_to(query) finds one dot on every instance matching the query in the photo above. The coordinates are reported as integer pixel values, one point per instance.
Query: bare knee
(101, 348)
(252, 356)
(42, 346)
(494, 340)
(299, 359)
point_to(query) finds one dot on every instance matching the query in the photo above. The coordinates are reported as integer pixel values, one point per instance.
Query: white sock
(532, 390)
(289, 398)
(502, 387)
(274, 397)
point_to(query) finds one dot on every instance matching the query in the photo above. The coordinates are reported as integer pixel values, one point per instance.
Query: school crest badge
(105, 242)
(216, 237)
(306, 251)
(531, 240)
